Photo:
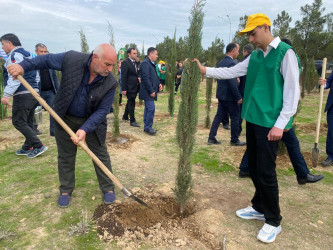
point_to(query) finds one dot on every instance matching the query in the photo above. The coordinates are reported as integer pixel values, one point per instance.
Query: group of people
(269, 97)
(139, 77)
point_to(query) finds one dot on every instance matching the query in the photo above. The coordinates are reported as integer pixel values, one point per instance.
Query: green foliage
(309, 75)
(84, 43)
(218, 47)
(142, 57)
(115, 128)
(210, 161)
(281, 25)
(171, 76)
(188, 109)
(241, 40)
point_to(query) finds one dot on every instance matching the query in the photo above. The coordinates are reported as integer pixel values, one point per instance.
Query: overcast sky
(56, 23)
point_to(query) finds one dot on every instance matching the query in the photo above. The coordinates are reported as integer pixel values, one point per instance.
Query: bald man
(84, 99)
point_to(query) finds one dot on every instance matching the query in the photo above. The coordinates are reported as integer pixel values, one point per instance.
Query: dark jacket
(227, 90)
(242, 79)
(329, 85)
(73, 66)
(129, 76)
(54, 80)
(149, 80)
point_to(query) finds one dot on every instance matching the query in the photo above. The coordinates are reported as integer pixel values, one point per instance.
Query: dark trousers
(49, 96)
(148, 115)
(329, 139)
(225, 118)
(240, 129)
(67, 154)
(177, 85)
(290, 140)
(23, 112)
(233, 109)
(130, 106)
(262, 157)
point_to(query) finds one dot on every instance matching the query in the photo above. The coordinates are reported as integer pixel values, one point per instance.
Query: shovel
(315, 150)
(81, 143)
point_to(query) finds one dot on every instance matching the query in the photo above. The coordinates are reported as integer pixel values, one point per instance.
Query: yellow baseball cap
(254, 21)
(161, 62)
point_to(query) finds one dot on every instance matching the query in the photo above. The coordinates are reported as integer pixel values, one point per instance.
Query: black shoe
(51, 133)
(150, 131)
(134, 124)
(310, 179)
(328, 162)
(239, 143)
(213, 141)
(125, 119)
(226, 126)
(243, 174)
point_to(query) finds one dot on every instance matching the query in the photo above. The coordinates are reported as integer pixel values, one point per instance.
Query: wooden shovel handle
(70, 132)
(323, 75)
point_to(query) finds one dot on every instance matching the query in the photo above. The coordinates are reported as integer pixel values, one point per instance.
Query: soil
(130, 224)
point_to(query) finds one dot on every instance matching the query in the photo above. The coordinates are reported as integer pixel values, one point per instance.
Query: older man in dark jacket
(149, 88)
(84, 99)
(229, 99)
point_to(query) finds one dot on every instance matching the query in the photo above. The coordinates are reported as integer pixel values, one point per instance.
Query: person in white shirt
(270, 100)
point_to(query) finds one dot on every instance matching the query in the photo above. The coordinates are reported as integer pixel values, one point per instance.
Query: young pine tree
(209, 81)
(115, 128)
(188, 109)
(84, 43)
(172, 76)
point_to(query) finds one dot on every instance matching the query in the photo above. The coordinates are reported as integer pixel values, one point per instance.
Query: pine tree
(84, 43)
(188, 109)
(209, 81)
(172, 76)
(115, 128)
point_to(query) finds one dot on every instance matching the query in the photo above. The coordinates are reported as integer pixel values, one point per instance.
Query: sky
(56, 23)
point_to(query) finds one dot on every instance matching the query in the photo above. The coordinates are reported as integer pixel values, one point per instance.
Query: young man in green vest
(270, 100)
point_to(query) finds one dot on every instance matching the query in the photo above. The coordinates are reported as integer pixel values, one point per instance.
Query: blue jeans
(148, 115)
(329, 139)
(290, 140)
(49, 96)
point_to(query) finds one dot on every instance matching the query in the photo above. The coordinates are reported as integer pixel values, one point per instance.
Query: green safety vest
(263, 94)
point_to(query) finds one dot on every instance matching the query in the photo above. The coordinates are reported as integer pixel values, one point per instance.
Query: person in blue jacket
(150, 85)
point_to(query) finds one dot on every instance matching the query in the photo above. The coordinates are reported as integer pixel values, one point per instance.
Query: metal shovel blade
(315, 156)
(132, 196)
(139, 201)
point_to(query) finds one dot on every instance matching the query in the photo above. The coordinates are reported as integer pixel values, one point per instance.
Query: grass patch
(210, 161)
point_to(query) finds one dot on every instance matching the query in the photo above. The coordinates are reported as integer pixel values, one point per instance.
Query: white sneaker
(250, 214)
(268, 233)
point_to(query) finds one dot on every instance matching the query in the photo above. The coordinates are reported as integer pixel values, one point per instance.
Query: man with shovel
(84, 99)
(270, 100)
(329, 109)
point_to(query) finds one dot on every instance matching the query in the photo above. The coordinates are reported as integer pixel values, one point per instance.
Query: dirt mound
(132, 225)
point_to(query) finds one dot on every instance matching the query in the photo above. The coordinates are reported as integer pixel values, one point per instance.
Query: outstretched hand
(202, 69)
(15, 70)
